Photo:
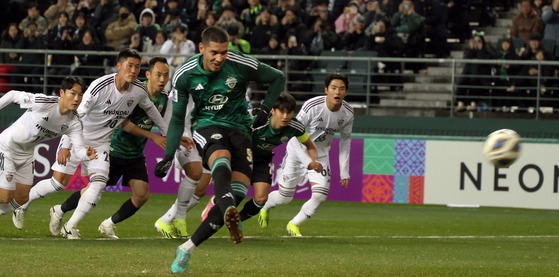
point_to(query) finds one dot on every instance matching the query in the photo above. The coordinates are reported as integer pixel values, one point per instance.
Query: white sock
(6, 208)
(188, 245)
(90, 198)
(184, 195)
(110, 220)
(58, 209)
(310, 207)
(170, 214)
(42, 189)
(279, 197)
(193, 202)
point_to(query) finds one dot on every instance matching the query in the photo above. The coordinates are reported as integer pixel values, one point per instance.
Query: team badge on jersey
(9, 177)
(285, 178)
(187, 153)
(340, 122)
(231, 82)
(284, 139)
(88, 102)
(217, 136)
(27, 100)
(64, 127)
(130, 102)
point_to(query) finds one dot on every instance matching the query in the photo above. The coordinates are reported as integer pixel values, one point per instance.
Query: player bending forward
(323, 116)
(46, 117)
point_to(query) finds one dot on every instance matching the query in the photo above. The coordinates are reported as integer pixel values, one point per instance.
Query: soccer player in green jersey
(217, 80)
(127, 158)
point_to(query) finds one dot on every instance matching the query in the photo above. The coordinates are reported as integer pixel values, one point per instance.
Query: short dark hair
(155, 60)
(336, 76)
(128, 53)
(285, 103)
(69, 81)
(215, 34)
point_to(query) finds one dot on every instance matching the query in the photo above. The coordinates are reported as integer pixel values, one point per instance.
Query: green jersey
(219, 97)
(127, 146)
(264, 139)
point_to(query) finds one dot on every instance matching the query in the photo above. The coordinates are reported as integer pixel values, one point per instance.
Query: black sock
(205, 230)
(250, 209)
(222, 186)
(126, 210)
(72, 202)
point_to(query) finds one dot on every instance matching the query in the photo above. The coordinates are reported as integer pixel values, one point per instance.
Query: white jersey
(104, 107)
(42, 121)
(322, 124)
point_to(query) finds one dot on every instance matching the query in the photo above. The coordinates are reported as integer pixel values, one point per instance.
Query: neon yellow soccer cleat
(263, 218)
(180, 226)
(293, 230)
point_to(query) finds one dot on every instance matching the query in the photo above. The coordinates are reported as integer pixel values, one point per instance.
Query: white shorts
(16, 168)
(294, 172)
(101, 165)
(184, 156)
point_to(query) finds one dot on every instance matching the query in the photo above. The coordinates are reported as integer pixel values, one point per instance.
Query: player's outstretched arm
(16, 97)
(131, 128)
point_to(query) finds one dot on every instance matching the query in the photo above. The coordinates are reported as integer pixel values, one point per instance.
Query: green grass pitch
(343, 239)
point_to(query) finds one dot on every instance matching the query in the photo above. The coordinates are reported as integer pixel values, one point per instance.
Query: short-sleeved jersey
(128, 146)
(42, 121)
(265, 139)
(322, 124)
(103, 108)
(219, 97)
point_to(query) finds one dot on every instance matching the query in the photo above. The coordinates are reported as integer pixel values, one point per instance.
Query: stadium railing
(378, 85)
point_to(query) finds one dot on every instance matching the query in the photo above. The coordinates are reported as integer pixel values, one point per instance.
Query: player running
(46, 117)
(127, 158)
(323, 116)
(108, 101)
(217, 80)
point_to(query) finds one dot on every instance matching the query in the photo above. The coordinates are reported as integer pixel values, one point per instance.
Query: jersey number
(111, 123)
(326, 171)
(106, 156)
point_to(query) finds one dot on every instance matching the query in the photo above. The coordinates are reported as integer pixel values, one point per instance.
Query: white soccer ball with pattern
(502, 147)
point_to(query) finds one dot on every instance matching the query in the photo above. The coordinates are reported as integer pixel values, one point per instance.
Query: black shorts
(262, 170)
(129, 169)
(212, 138)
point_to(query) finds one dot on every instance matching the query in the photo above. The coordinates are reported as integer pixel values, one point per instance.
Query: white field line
(309, 237)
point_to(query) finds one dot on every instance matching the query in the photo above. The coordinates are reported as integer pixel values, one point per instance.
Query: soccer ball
(502, 147)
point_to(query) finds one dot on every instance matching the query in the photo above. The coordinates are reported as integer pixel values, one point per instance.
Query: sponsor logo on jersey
(231, 82)
(48, 132)
(64, 127)
(173, 95)
(216, 102)
(216, 136)
(340, 122)
(266, 146)
(108, 102)
(9, 177)
(130, 102)
(46, 118)
(199, 87)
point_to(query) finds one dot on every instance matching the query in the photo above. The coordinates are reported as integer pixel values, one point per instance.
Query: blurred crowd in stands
(391, 28)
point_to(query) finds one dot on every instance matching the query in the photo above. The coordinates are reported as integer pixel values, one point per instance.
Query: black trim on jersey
(102, 85)
(78, 117)
(46, 99)
(347, 106)
(141, 85)
(313, 102)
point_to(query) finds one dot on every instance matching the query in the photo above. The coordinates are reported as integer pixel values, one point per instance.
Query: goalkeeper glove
(162, 166)
(260, 116)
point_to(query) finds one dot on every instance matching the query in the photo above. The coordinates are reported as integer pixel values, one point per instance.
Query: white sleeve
(345, 147)
(76, 136)
(154, 114)
(24, 99)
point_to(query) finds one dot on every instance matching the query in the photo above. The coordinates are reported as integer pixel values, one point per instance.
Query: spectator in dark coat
(90, 66)
(434, 27)
(266, 25)
(60, 38)
(527, 22)
(31, 65)
(10, 37)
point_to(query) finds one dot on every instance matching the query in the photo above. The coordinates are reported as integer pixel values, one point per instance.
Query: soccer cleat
(180, 264)
(263, 218)
(18, 218)
(208, 207)
(293, 230)
(234, 224)
(167, 229)
(180, 226)
(107, 228)
(70, 233)
(55, 222)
